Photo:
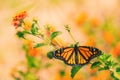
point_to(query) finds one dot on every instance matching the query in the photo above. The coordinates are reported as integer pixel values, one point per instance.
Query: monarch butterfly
(77, 55)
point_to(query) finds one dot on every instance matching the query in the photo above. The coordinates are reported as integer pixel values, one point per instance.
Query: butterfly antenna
(68, 29)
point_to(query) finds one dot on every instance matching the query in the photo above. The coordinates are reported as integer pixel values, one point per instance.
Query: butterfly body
(77, 55)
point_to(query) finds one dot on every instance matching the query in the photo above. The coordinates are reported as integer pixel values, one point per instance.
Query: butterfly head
(57, 53)
(95, 51)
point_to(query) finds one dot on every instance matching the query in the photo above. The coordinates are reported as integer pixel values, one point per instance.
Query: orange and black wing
(66, 54)
(77, 55)
(86, 53)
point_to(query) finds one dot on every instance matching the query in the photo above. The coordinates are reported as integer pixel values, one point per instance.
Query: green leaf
(74, 70)
(118, 69)
(39, 45)
(62, 73)
(30, 61)
(20, 34)
(104, 68)
(21, 73)
(95, 64)
(55, 34)
(113, 76)
(50, 54)
(34, 30)
(37, 63)
(25, 48)
(105, 57)
(118, 58)
(33, 62)
(31, 76)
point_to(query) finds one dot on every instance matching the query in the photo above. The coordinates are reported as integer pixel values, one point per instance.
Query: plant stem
(72, 37)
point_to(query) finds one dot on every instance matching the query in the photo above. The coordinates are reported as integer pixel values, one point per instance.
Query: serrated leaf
(54, 34)
(95, 64)
(39, 45)
(118, 69)
(74, 70)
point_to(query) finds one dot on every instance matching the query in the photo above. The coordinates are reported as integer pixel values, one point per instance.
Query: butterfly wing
(77, 55)
(86, 53)
(66, 54)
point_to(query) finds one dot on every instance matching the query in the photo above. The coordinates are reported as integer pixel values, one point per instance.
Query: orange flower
(49, 29)
(116, 50)
(104, 75)
(66, 77)
(27, 25)
(94, 22)
(109, 38)
(80, 20)
(17, 19)
(91, 41)
(32, 51)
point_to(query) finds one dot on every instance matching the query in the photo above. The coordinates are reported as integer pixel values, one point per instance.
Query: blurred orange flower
(17, 19)
(32, 51)
(81, 18)
(116, 50)
(108, 37)
(103, 75)
(27, 25)
(90, 41)
(49, 29)
(66, 77)
(94, 22)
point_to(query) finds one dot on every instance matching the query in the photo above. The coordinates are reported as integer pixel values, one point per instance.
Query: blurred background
(93, 22)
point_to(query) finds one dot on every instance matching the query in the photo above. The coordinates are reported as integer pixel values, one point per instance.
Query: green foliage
(20, 34)
(30, 76)
(39, 45)
(95, 64)
(118, 69)
(74, 70)
(16, 78)
(33, 62)
(50, 54)
(118, 58)
(34, 29)
(62, 72)
(105, 57)
(113, 76)
(22, 73)
(55, 34)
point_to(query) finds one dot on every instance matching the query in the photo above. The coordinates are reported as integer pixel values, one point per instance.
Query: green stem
(72, 37)
(68, 29)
